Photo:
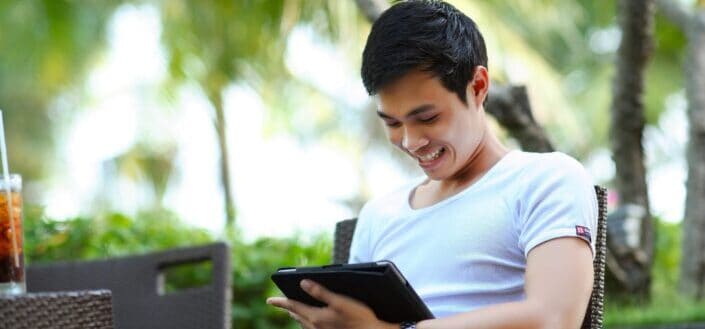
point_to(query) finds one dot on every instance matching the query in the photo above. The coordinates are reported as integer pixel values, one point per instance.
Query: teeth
(431, 156)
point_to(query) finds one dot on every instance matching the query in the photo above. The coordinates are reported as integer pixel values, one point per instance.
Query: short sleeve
(558, 200)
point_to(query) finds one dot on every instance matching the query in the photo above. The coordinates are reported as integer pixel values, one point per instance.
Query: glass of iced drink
(11, 242)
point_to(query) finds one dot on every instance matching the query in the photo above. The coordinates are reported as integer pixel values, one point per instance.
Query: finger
(277, 301)
(292, 306)
(296, 317)
(304, 324)
(319, 292)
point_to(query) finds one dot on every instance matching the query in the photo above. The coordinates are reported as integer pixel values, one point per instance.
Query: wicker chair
(64, 310)
(136, 284)
(594, 315)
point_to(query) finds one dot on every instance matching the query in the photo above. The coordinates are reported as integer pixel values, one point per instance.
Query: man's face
(431, 124)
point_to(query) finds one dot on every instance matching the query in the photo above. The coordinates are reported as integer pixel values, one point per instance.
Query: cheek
(443, 133)
(463, 136)
(472, 138)
(394, 137)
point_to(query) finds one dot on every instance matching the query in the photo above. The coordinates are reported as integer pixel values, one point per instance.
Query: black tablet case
(378, 285)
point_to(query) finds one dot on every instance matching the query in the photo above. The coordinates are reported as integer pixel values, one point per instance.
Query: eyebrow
(416, 111)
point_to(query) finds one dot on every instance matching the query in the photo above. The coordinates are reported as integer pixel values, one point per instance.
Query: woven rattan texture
(595, 314)
(134, 283)
(345, 229)
(62, 310)
(343, 237)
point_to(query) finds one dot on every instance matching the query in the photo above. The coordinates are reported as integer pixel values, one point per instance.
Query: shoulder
(552, 176)
(388, 204)
(551, 168)
(549, 162)
(378, 211)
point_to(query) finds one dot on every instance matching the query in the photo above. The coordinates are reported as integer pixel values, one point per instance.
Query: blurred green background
(142, 125)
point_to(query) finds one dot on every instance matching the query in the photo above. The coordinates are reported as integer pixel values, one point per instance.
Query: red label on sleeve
(583, 232)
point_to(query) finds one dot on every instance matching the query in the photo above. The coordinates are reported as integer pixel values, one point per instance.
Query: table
(89, 309)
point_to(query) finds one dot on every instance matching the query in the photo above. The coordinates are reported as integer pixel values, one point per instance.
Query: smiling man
(489, 238)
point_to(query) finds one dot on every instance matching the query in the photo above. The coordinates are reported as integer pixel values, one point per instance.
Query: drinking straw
(6, 179)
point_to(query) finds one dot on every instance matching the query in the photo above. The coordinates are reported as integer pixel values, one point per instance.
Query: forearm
(525, 315)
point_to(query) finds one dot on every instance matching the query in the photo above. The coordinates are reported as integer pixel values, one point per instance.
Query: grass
(666, 306)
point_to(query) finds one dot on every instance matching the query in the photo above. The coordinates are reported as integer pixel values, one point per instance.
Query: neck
(488, 152)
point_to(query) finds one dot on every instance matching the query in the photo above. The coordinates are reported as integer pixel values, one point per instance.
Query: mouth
(429, 159)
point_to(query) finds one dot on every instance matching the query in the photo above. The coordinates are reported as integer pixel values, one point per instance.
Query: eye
(428, 119)
(392, 123)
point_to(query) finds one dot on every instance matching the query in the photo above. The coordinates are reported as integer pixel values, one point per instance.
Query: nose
(413, 140)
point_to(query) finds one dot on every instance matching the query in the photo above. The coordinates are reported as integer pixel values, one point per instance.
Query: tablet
(378, 285)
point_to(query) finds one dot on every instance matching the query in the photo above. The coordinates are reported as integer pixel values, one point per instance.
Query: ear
(478, 86)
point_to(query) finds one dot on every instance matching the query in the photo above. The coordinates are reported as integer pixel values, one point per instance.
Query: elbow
(547, 318)
(549, 321)
(545, 321)
(556, 322)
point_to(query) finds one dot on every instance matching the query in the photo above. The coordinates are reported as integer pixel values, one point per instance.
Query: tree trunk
(692, 280)
(216, 99)
(627, 125)
(693, 260)
(510, 106)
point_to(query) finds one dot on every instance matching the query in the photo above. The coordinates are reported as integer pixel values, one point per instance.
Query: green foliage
(666, 305)
(105, 236)
(186, 276)
(116, 234)
(253, 263)
(666, 61)
(668, 257)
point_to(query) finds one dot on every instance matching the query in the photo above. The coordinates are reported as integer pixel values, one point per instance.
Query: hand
(342, 312)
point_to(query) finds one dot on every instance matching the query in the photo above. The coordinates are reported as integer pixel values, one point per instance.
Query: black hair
(426, 35)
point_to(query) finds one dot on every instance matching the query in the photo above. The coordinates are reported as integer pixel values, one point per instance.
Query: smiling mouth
(431, 156)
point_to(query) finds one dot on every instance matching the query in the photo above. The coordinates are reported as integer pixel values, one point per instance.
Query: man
(490, 238)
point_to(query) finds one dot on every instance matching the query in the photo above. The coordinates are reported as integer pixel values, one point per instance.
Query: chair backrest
(136, 285)
(65, 310)
(593, 316)
(596, 309)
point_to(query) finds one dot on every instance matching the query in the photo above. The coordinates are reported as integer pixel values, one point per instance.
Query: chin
(435, 176)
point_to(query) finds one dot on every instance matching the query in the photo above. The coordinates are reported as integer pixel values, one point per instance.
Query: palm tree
(221, 42)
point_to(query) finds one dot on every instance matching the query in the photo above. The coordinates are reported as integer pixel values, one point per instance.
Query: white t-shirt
(470, 250)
